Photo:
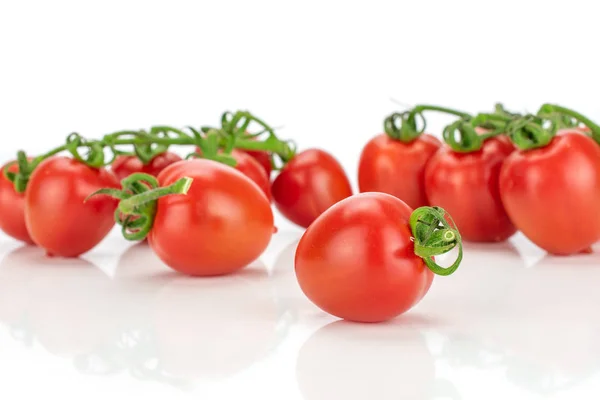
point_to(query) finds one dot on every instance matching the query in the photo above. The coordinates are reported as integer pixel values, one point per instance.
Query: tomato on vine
(463, 178)
(57, 216)
(550, 187)
(12, 207)
(369, 257)
(309, 184)
(395, 162)
(125, 165)
(201, 217)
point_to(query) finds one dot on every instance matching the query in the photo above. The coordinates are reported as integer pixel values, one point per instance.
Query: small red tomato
(222, 224)
(263, 158)
(55, 213)
(12, 209)
(357, 260)
(123, 166)
(397, 168)
(552, 194)
(253, 170)
(308, 185)
(466, 185)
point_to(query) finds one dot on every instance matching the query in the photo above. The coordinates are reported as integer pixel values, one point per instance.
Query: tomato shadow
(345, 360)
(543, 334)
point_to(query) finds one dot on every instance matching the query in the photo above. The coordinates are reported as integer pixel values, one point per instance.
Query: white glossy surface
(511, 323)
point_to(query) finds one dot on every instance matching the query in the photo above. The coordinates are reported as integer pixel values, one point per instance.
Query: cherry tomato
(466, 185)
(357, 260)
(123, 166)
(248, 166)
(57, 217)
(222, 224)
(397, 168)
(552, 194)
(253, 170)
(12, 209)
(308, 185)
(263, 158)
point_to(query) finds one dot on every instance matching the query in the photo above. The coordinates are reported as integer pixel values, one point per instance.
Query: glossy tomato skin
(308, 185)
(248, 166)
(397, 168)
(55, 213)
(357, 261)
(12, 209)
(123, 166)
(552, 194)
(263, 158)
(467, 186)
(221, 225)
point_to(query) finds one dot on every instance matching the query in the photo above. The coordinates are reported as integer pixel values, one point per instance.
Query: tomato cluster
(363, 257)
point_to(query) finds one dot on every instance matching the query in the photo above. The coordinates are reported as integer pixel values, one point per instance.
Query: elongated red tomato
(222, 224)
(308, 185)
(552, 194)
(123, 166)
(397, 168)
(357, 260)
(12, 209)
(55, 213)
(466, 185)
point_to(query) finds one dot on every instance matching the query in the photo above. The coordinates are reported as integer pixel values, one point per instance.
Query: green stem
(127, 206)
(426, 107)
(434, 236)
(594, 128)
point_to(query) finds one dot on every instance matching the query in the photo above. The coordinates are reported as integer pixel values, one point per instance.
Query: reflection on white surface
(511, 319)
(345, 360)
(148, 320)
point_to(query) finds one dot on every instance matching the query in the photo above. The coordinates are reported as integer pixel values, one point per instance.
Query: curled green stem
(138, 202)
(433, 235)
(409, 125)
(549, 109)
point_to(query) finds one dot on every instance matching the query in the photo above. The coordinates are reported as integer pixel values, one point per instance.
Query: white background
(326, 72)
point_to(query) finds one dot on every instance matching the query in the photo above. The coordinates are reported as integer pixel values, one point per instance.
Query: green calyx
(138, 202)
(434, 236)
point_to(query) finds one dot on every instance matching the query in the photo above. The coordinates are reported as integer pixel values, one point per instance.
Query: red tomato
(552, 194)
(263, 158)
(123, 166)
(308, 185)
(397, 168)
(253, 170)
(357, 260)
(223, 223)
(57, 217)
(466, 185)
(12, 209)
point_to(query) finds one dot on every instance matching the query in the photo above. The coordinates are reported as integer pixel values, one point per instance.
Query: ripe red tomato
(55, 213)
(123, 166)
(223, 223)
(397, 168)
(357, 260)
(552, 194)
(253, 170)
(308, 185)
(466, 185)
(263, 158)
(12, 209)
